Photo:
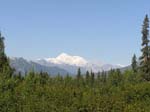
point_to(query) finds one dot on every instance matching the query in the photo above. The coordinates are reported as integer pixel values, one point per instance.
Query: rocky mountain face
(22, 65)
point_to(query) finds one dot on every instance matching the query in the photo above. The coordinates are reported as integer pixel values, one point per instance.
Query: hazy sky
(104, 30)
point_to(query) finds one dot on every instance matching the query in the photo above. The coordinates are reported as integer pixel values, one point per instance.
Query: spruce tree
(4, 62)
(92, 78)
(145, 58)
(2, 53)
(79, 73)
(103, 76)
(134, 63)
(87, 76)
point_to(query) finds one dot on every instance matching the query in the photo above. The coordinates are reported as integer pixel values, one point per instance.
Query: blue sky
(104, 30)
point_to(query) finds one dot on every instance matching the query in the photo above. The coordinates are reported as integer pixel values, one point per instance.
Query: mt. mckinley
(62, 64)
(72, 63)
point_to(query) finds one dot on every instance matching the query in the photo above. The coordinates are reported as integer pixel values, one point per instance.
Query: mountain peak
(63, 55)
(72, 63)
(64, 58)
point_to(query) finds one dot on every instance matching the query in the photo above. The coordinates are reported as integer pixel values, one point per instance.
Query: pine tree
(92, 77)
(79, 74)
(103, 76)
(99, 75)
(98, 78)
(3, 59)
(78, 77)
(145, 58)
(87, 76)
(4, 62)
(134, 63)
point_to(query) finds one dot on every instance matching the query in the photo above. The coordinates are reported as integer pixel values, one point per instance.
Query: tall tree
(134, 63)
(103, 77)
(79, 74)
(145, 58)
(87, 77)
(92, 78)
(3, 58)
(4, 62)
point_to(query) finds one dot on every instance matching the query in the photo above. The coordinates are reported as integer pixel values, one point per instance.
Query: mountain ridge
(66, 61)
(62, 64)
(22, 65)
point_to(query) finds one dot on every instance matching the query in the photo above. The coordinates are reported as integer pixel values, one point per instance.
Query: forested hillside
(113, 91)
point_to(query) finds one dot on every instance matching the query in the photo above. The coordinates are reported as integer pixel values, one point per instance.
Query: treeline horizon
(114, 91)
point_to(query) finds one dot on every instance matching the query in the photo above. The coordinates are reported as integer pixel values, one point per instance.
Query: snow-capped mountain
(67, 59)
(62, 64)
(72, 63)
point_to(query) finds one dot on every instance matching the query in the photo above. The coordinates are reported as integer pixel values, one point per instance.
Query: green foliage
(92, 78)
(145, 58)
(87, 77)
(115, 77)
(134, 63)
(120, 92)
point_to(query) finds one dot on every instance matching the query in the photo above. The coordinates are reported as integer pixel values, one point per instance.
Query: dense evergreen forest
(112, 91)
